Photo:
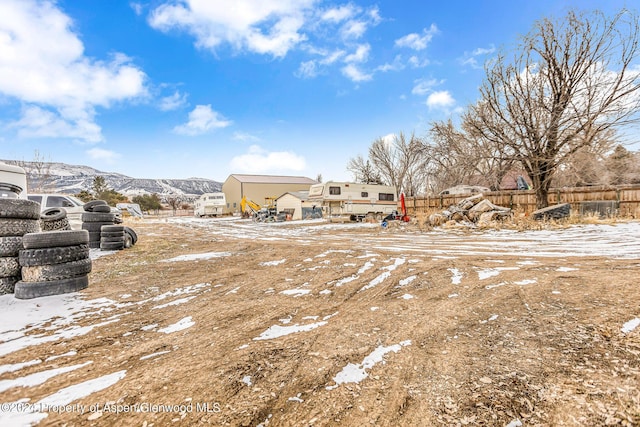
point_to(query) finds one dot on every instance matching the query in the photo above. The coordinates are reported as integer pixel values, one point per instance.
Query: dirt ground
(465, 336)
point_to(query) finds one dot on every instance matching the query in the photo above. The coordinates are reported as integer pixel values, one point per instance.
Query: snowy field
(368, 257)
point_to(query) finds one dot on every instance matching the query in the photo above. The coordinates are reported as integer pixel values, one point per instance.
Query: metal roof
(302, 195)
(273, 179)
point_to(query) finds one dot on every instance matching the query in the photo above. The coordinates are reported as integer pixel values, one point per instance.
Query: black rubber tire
(19, 209)
(132, 233)
(60, 224)
(112, 228)
(18, 226)
(128, 240)
(47, 273)
(94, 236)
(94, 226)
(98, 217)
(112, 234)
(112, 239)
(53, 214)
(28, 290)
(55, 255)
(89, 206)
(9, 266)
(101, 209)
(94, 244)
(112, 246)
(10, 245)
(7, 284)
(51, 239)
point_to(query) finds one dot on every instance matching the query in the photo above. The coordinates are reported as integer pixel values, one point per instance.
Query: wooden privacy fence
(622, 200)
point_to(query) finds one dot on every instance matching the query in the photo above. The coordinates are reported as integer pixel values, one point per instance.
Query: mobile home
(210, 204)
(356, 201)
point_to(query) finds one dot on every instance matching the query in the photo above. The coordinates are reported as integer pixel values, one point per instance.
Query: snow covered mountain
(71, 179)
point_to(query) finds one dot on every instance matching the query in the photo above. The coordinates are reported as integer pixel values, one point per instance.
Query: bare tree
(571, 80)
(363, 171)
(175, 201)
(397, 160)
(38, 172)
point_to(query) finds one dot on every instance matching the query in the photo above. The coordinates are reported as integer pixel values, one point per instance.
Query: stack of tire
(17, 218)
(117, 237)
(53, 219)
(97, 213)
(52, 263)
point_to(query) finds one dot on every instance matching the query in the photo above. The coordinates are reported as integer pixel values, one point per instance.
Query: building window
(386, 196)
(364, 194)
(334, 191)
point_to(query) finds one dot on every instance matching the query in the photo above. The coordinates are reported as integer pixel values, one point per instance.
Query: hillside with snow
(71, 179)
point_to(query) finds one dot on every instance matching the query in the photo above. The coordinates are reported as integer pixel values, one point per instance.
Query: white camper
(356, 201)
(13, 182)
(210, 204)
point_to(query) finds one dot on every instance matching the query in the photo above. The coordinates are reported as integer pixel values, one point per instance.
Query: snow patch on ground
(180, 325)
(197, 257)
(354, 373)
(38, 378)
(277, 331)
(456, 276)
(273, 263)
(630, 325)
(406, 281)
(383, 276)
(17, 416)
(152, 355)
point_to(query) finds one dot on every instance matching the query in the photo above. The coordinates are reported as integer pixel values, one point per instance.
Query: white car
(465, 189)
(71, 204)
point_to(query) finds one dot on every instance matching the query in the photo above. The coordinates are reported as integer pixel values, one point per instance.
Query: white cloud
(201, 120)
(423, 87)
(354, 29)
(416, 41)
(470, 60)
(332, 57)
(355, 74)
(339, 14)
(265, 26)
(271, 27)
(389, 139)
(37, 122)
(374, 15)
(173, 102)
(416, 62)
(307, 70)
(484, 51)
(258, 160)
(104, 155)
(42, 65)
(137, 7)
(396, 65)
(243, 136)
(360, 55)
(440, 100)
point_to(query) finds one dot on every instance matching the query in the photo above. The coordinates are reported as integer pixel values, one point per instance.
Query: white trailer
(13, 182)
(353, 200)
(210, 204)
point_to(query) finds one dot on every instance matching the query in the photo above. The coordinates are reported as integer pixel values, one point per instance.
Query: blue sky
(207, 88)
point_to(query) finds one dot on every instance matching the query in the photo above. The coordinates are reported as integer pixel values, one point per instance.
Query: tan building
(297, 204)
(260, 188)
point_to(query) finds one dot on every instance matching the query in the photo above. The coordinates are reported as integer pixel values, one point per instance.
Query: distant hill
(71, 179)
